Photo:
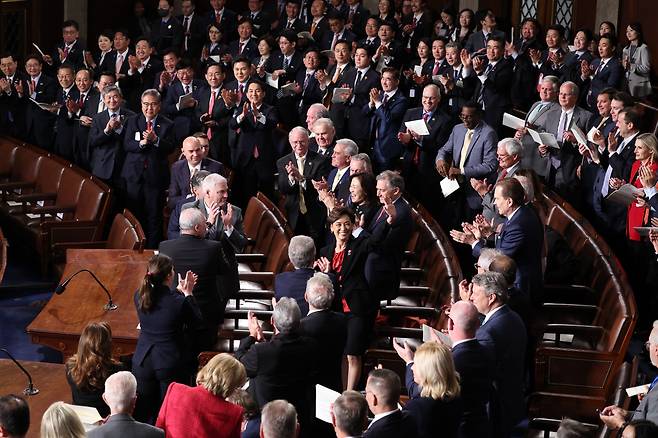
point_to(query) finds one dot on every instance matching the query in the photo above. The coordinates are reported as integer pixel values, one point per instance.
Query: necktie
(66, 51)
(211, 105)
(286, 63)
(81, 102)
(101, 106)
(187, 89)
(415, 22)
(532, 117)
(467, 142)
(242, 47)
(218, 17)
(562, 126)
(314, 26)
(240, 93)
(605, 188)
(149, 125)
(289, 25)
(358, 79)
(435, 70)
(339, 70)
(488, 69)
(416, 159)
(308, 78)
(503, 174)
(186, 23)
(350, 15)
(599, 68)
(384, 99)
(253, 15)
(302, 201)
(334, 41)
(119, 63)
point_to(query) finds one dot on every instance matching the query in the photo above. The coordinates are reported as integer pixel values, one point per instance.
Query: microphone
(30, 390)
(61, 287)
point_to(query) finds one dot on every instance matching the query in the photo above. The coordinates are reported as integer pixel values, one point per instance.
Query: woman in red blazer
(646, 153)
(203, 411)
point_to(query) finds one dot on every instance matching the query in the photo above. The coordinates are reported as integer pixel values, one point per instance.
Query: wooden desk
(48, 378)
(62, 320)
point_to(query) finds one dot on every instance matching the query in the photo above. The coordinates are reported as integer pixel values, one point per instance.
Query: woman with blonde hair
(87, 370)
(203, 411)
(59, 421)
(434, 391)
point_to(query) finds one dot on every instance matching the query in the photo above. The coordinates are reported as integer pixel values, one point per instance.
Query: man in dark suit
(386, 110)
(338, 181)
(503, 334)
(390, 52)
(12, 108)
(289, 19)
(301, 252)
(246, 46)
(357, 15)
(183, 114)
(308, 90)
(85, 108)
(117, 60)
(493, 82)
(382, 269)
(141, 73)
(382, 395)
(328, 328)
(521, 237)
(438, 65)
(470, 152)
(120, 395)
(166, 32)
(196, 193)
(286, 367)
(213, 114)
(261, 19)
(297, 171)
(285, 66)
(416, 25)
(253, 154)
(39, 123)
(226, 19)
(318, 21)
(604, 72)
(69, 50)
(182, 170)
(477, 42)
(361, 80)
(67, 99)
(349, 414)
(420, 150)
(457, 90)
(336, 32)
(206, 258)
(333, 78)
(106, 137)
(371, 39)
(194, 30)
(147, 143)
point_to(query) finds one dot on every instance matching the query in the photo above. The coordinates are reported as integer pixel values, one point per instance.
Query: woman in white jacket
(637, 62)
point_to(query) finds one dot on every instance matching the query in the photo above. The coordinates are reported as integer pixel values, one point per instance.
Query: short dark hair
(611, 38)
(71, 23)
(260, 84)
(245, 20)
(242, 59)
(558, 28)
(394, 71)
(624, 97)
(184, 64)
(123, 31)
(473, 105)
(108, 73)
(631, 116)
(339, 212)
(143, 38)
(335, 15)
(587, 32)
(512, 188)
(14, 415)
(35, 57)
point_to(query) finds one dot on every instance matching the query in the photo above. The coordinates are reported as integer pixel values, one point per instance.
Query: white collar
(313, 311)
(382, 415)
(193, 168)
(513, 167)
(220, 12)
(488, 316)
(363, 70)
(511, 215)
(390, 94)
(454, 344)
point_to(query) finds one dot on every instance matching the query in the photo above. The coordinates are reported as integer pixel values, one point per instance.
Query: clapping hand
(481, 186)
(616, 183)
(389, 208)
(255, 329)
(320, 185)
(465, 290)
(186, 285)
(405, 352)
(323, 265)
(465, 237)
(227, 218)
(213, 213)
(293, 172)
(485, 228)
(647, 176)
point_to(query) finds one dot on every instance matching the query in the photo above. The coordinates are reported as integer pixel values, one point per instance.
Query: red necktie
(416, 158)
(81, 102)
(240, 93)
(66, 52)
(435, 70)
(218, 17)
(149, 125)
(211, 105)
(502, 175)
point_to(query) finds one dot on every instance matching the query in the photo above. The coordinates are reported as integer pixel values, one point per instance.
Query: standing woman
(446, 26)
(105, 45)
(415, 81)
(87, 370)
(637, 62)
(466, 26)
(266, 45)
(214, 47)
(346, 258)
(162, 355)
(386, 11)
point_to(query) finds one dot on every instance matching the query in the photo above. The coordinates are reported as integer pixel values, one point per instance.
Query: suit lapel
(476, 135)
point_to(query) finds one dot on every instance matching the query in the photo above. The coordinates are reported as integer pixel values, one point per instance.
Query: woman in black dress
(87, 370)
(346, 258)
(162, 355)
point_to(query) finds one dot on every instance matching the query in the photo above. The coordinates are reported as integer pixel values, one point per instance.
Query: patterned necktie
(286, 63)
(119, 63)
(302, 201)
(435, 70)
(211, 106)
(467, 142)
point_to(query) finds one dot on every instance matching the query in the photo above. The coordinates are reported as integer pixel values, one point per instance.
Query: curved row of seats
(46, 201)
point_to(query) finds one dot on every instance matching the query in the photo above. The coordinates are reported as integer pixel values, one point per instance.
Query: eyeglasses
(647, 345)
(476, 266)
(150, 104)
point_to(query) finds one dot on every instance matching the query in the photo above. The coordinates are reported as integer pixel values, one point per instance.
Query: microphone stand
(30, 390)
(110, 304)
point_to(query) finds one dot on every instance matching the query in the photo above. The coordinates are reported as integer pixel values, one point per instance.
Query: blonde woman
(435, 402)
(203, 411)
(59, 421)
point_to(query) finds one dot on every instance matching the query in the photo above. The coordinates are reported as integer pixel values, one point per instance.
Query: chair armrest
(411, 272)
(591, 332)
(12, 185)
(33, 197)
(565, 313)
(50, 209)
(415, 291)
(245, 294)
(399, 332)
(256, 276)
(264, 315)
(251, 258)
(569, 293)
(414, 311)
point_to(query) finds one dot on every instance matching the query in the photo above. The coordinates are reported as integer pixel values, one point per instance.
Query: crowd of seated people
(339, 112)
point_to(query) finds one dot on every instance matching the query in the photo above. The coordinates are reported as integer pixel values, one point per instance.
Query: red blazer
(637, 216)
(195, 412)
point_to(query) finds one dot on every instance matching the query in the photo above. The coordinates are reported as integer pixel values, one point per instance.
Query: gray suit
(648, 407)
(531, 157)
(123, 425)
(565, 176)
(489, 210)
(639, 81)
(481, 161)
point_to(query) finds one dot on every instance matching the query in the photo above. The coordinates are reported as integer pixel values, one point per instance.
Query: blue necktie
(653, 384)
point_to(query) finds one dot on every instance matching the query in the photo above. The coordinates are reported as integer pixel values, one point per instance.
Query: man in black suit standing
(420, 150)
(39, 123)
(183, 113)
(357, 15)
(213, 113)
(261, 19)
(106, 137)
(416, 25)
(383, 264)
(141, 73)
(69, 50)
(504, 335)
(284, 66)
(289, 19)
(67, 98)
(166, 32)
(297, 171)
(336, 32)
(382, 395)
(182, 170)
(301, 252)
(147, 143)
(361, 80)
(477, 42)
(194, 30)
(226, 19)
(245, 46)
(12, 108)
(206, 258)
(84, 109)
(285, 367)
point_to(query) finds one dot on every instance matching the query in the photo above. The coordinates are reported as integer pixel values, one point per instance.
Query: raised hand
(227, 218)
(323, 265)
(186, 285)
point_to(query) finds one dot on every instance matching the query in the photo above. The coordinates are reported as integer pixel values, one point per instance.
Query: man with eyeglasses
(470, 152)
(618, 418)
(145, 174)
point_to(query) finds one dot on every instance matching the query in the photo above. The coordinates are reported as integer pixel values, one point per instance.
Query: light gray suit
(648, 407)
(639, 72)
(123, 425)
(481, 161)
(531, 156)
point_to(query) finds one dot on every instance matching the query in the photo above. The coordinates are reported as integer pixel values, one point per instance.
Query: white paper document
(545, 138)
(324, 398)
(427, 335)
(564, 337)
(340, 95)
(418, 70)
(449, 186)
(288, 90)
(87, 414)
(513, 122)
(271, 81)
(637, 390)
(592, 132)
(418, 126)
(625, 195)
(51, 107)
(184, 100)
(215, 58)
(581, 138)
(38, 49)
(306, 35)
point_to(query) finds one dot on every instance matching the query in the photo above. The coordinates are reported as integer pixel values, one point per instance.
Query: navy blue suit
(504, 335)
(494, 92)
(185, 120)
(39, 123)
(228, 23)
(395, 425)
(293, 284)
(145, 173)
(65, 123)
(249, 51)
(179, 187)
(522, 239)
(342, 190)
(385, 124)
(611, 75)
(358, 121)
(433, 415)
(106, 151)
